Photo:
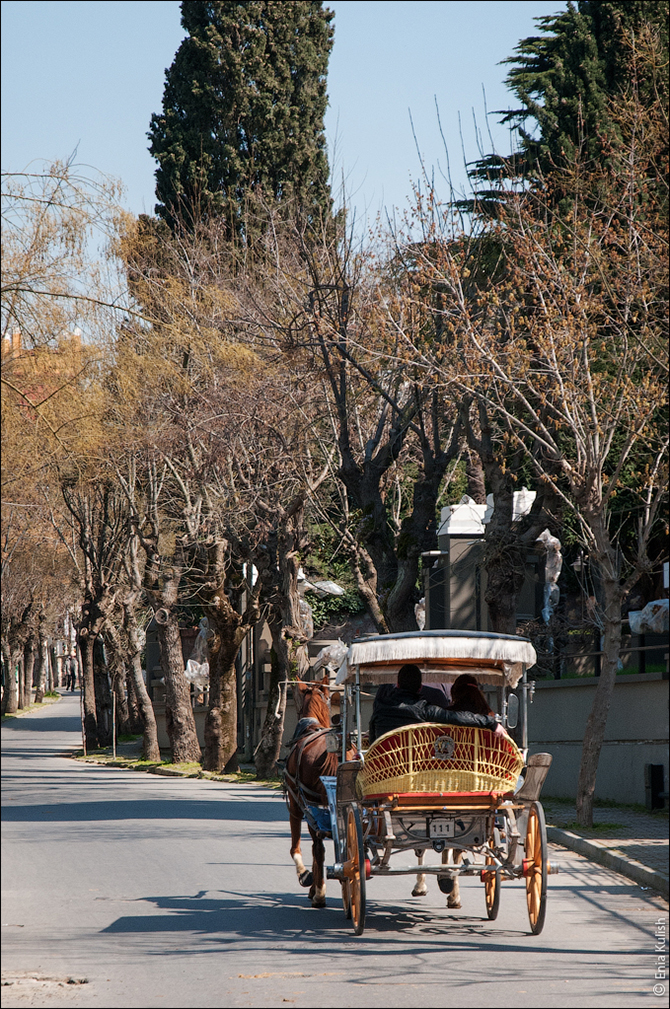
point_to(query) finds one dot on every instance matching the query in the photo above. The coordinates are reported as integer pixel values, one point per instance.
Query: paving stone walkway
(624, 838)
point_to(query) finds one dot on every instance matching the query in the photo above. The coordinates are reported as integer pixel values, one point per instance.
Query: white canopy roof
(441, 655)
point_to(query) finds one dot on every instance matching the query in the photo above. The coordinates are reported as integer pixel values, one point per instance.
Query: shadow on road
(147, 809)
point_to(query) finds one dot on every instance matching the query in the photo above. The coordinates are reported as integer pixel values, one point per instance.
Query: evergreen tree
(243, 110)
(564, 80)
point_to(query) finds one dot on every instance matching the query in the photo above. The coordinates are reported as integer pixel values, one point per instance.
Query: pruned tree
(390, 439)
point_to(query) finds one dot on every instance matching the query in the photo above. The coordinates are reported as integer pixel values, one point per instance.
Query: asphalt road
(178, 893)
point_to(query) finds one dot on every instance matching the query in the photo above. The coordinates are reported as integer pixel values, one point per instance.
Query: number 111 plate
(441, 828)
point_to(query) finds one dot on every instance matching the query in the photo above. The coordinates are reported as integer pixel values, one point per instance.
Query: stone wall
(636, 733)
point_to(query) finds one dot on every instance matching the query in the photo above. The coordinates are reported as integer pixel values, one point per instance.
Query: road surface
(176, 892)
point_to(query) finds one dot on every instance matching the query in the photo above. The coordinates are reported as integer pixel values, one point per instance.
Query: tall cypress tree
(243, 110)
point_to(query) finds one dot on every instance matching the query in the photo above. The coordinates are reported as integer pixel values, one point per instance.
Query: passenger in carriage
(395, 706)
(467, 695)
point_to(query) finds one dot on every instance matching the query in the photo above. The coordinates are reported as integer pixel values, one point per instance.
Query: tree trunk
(103, 695)
(161, 583)
(474, 471)
(28, 670)
(86, 643)
(43, 660)
(116, 664)
(10, 700)
(134, 711)
(119, 679)
(597, 720)
(221, 721)
(150, 748)
(267, 751)
(137, 690)
(54, 679)
(180, 722)
(290, 660)
(20, 663)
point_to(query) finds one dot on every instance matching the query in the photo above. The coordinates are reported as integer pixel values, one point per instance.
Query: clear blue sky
(89, 75)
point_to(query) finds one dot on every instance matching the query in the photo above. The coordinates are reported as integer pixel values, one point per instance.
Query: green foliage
(564, 80)
(322, 561)
(334, 609)
(243, 112)
(454, 487)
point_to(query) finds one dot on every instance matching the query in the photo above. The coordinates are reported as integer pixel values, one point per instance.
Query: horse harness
(303, 737)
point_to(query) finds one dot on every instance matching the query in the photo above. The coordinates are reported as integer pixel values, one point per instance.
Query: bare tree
(567, 350)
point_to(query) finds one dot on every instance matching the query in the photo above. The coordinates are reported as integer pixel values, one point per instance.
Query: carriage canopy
(442, 655)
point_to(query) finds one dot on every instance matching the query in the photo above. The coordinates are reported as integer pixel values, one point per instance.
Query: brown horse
(306, 762)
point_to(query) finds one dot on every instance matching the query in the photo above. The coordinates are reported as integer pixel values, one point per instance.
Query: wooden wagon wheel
(341, 856)
(346, 899)
(354, 871)
(492, 890)
(535, 867)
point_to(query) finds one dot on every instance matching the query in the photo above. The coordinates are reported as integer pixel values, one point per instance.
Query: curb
(170, 772)
(22, 712)
(614, 860)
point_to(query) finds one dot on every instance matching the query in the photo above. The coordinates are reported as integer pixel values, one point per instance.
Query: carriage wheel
(346, 900)
(492, 890)
(354, 884)
(535, 867)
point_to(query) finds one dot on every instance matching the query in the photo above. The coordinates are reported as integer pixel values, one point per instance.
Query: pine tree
(564, 81)
(243, 110)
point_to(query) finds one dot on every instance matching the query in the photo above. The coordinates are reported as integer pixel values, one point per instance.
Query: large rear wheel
(346, 900)
(354, 871)
(535, 867)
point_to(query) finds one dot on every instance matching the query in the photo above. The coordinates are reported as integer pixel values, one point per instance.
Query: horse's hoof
(445, 883)
(319, 902)
(420, 891)
(305, 878)
(453, 904)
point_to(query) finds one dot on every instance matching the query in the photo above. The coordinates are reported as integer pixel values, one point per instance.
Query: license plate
(441, 828)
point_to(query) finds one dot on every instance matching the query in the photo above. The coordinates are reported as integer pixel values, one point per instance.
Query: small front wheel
(492, 890)
(354, 871)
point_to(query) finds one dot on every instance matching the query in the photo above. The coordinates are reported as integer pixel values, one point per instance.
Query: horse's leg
(454, 898)
(420, 887)
(295, 820)
(447, 883)
(317, 891)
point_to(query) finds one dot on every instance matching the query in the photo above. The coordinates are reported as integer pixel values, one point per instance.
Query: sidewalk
(625, 839)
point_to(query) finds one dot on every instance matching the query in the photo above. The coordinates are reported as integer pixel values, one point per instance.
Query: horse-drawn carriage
(467, 794)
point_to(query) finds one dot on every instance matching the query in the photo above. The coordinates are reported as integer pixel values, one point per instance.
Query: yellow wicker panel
(464, 759)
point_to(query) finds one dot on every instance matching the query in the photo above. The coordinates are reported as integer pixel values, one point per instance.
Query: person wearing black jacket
(395, 706)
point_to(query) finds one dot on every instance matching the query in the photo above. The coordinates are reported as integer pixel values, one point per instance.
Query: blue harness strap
(318, 818)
